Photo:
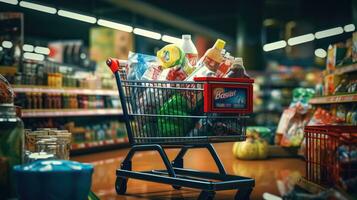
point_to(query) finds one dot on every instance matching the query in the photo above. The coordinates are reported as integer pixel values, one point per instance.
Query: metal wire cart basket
(185, 115)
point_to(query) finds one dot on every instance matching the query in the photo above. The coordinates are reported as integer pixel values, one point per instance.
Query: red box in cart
(227, 95)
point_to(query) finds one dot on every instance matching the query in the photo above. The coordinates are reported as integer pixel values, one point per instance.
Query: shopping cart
(180, 114)
(331, 155)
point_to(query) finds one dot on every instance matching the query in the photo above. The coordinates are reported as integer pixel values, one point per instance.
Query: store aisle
(269, 174)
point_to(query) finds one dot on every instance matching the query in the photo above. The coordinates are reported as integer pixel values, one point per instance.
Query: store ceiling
(221, 17)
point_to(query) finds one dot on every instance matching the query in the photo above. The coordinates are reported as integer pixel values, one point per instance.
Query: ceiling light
(301, 39)
(34, 56)
(349, 28)
(42, 50)
(114, 25)
(6, 44)
(274, 45)
(321, 53)
(28, 47)
(13, 2)
(77, 16)
(146, 33)
(329, 32)
(170, 39)
(1, 48)
(38, 7)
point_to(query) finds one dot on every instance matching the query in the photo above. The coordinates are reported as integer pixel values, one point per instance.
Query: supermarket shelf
(28, 113)
(8, 69)
(344, 98)
(96, 144)
(346, 69)
(46, 89)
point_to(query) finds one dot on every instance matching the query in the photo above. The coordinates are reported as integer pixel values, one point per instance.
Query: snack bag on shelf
(290, 131)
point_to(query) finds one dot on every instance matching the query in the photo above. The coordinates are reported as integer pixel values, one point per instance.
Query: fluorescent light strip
(114, 25)
(28, 47)
(274, 45)
(146, 33)
(349, 28)
(38, 7)
(301, 39)
(170, 39)
(329, 32)
(7, 44)
(13, 2)
(42, 50)
(321, 53)
(34, 56)
(77, 16)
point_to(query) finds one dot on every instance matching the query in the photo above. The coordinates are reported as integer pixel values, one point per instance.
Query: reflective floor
(275, 176)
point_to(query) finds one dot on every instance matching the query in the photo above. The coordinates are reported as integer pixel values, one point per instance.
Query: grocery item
(138, 64)
(209, 63)
(236, 70)
(172, 56)
(53, 178)
(189, 49)
(176, 105)
(224, 66)
(354, 47)
(252, 148)
(260, 131)
(335, 54)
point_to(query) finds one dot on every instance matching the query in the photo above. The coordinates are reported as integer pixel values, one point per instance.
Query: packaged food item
(335, 55)
(236, 70)
(138, 64)
(172, 56)
(209, 63)
(189, 49)
(224, 66)
(170, 126)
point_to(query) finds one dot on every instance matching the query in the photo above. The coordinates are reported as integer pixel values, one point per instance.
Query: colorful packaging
(236, 70)
(138, 64)
(224, 66)
(354, 47)
(190, 50)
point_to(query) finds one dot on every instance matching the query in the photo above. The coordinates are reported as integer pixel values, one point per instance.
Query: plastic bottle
(209, 63)
(237, 70)
(224, 66)
(190, 50)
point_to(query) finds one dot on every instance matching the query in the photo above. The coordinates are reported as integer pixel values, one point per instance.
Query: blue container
(53, 179)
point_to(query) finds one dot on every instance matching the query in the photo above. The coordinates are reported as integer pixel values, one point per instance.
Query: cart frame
(175, 173)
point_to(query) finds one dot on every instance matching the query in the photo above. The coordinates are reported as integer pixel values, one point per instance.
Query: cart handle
(113, 64)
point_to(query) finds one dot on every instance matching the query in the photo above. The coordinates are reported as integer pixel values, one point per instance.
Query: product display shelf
(345, 69)
(28, 113)
(78, 91)
(8, 69)
(98, 144)
(342, 98)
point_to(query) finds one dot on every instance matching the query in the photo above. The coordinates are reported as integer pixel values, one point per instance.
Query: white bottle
(190, 50)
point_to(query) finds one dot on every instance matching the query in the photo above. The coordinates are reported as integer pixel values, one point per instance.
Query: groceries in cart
(164, 85)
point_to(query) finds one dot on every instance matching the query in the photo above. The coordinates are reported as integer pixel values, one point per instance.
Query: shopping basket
(331, 155)
(185, 115)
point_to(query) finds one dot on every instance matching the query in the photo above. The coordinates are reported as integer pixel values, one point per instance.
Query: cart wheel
(243, 194)
(206, 195)
(176, 187)
(120, 185)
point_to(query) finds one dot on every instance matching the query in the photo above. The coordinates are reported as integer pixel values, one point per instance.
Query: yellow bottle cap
(220, 44)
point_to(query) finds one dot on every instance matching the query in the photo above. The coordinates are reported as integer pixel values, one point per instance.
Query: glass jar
(11, 147)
